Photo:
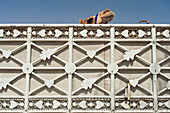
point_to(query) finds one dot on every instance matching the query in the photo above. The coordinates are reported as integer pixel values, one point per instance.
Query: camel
(101, 18)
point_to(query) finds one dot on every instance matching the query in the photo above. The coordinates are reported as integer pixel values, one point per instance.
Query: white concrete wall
(84, 68)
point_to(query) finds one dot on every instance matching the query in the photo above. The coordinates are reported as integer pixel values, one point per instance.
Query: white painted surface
(84, 68)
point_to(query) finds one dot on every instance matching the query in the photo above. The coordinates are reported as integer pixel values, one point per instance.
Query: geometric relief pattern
(69, 68)
(14, 104)
(135, 104)
(49, 104)
(91, 104)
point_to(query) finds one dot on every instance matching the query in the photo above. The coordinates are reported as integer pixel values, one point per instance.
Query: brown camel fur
(101, 18)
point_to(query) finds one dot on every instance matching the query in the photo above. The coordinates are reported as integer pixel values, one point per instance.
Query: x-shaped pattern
(95, 85)
(137, 56)
(138, 80)
(160, 62)
(94, 52)
(49, 83)
(126, 78)
(38, 60)
(91, 56)
(167, 58)
(141, 59)
(53, 55)
(6, 54)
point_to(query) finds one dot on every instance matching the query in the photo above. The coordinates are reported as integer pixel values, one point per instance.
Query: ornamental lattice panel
(85, 68)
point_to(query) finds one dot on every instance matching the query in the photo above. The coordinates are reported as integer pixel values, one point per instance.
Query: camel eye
(105, 11)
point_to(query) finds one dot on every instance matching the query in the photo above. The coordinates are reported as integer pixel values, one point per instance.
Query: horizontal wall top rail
(88, 25)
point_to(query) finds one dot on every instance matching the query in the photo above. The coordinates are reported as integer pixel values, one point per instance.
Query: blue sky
(70, 11)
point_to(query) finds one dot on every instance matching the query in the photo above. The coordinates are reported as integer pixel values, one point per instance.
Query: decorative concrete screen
(84, 68)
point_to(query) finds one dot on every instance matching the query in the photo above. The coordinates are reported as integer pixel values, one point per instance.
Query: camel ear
(81, 21)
